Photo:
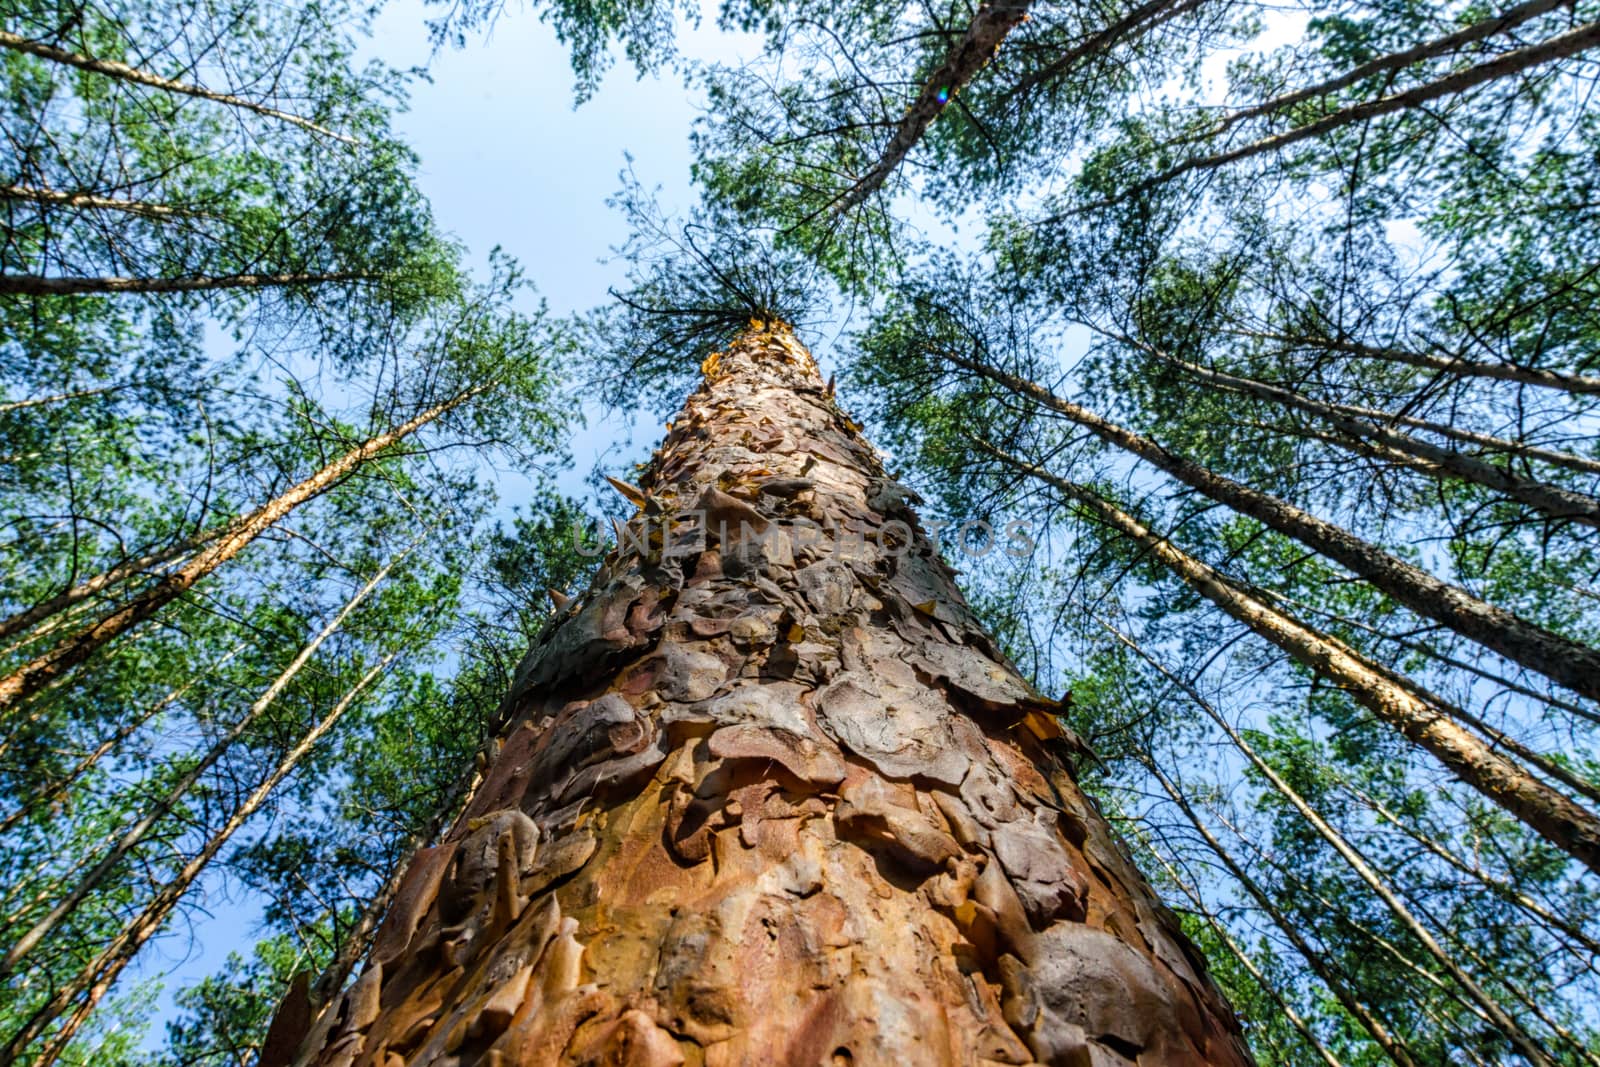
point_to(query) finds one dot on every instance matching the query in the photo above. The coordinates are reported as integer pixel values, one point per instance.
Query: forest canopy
(1278, 325)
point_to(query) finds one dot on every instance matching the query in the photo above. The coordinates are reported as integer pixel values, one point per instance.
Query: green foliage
(135, 427)
(693, 285)
(223, 1019)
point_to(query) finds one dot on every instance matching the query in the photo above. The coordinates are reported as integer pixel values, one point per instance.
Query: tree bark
(123, 72)
(354, 945)
(1425, 722)
(42, 669)
(770, 796)
(1561, 659)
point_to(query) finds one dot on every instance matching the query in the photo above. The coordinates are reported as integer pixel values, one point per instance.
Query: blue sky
(507, 160)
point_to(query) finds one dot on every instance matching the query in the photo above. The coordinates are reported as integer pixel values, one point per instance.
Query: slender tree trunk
(36, 285)
(1552, 500)
(1513, 1032)
(50, 794)
(1498, 886)
(1451, 42)
(1546, 811)
(123, 72)
(1561, 381)
(1406, 461)
(56, 398)
(1295, 880)
(1315, 960)
(37, 613)
(92, 201)
(1562, 46)
(98, 975)
(1394, 456)
(990, 24)
(1559, 658)
(1433, 652)
(130, 838)
(42, 669)
(769, 797)
(1489, 442)
(1237, 951)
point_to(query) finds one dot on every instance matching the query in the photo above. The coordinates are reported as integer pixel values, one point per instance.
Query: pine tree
(771, 796)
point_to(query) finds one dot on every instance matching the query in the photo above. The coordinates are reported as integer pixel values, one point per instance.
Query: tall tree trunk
(134, 834)
(1489, 442)
(1316, 961)
(1222, 933)
(44, 668)
(97, 976)
(1448, 363)
(1562, 46)
(1399, 458)
(1420, 717)
(1559, 926)
(1393, 61)
(36, 613)
(1553, 500)
(1557, 657)
(1513, 1032)
(1434, 651)
(990, 24)
(36, 285)
(123, 72)
(771, 797)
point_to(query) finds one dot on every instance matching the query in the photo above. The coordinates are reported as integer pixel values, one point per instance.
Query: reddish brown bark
(774, 798)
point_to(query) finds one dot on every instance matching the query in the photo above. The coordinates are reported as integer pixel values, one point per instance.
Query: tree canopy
(1278, 327)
